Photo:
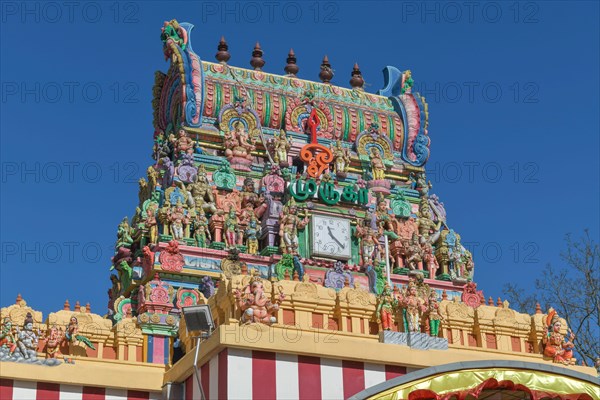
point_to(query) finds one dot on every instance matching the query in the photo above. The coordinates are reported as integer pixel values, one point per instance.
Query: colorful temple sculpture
(300, 213)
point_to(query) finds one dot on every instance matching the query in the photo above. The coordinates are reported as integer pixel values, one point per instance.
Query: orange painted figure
(555, 344)
(387, 303)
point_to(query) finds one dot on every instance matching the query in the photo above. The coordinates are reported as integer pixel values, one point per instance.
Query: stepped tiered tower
(299, 212)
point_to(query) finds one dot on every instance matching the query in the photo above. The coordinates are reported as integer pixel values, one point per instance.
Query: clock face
(331, 237)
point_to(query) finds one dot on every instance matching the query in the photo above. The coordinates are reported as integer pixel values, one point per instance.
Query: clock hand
(343, 246)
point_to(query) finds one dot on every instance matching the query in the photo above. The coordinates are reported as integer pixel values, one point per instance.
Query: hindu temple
(299, 214)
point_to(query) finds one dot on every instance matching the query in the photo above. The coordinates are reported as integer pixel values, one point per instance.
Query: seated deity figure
(556, 345)
(238, 143)
(202, 192)
(183, 144)
(252, 199)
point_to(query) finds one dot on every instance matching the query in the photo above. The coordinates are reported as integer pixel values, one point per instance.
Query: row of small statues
(414, 305)
(239, 145)
(21, 344)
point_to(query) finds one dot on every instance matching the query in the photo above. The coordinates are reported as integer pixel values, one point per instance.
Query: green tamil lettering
(363, 196)
(328, 194)
(349, 194)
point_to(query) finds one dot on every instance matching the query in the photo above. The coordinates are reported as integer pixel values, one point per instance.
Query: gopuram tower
(300, 215)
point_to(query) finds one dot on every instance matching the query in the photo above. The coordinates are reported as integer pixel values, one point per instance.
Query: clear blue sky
(513, 100)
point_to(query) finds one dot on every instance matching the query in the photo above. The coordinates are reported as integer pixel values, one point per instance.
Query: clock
(331, 237)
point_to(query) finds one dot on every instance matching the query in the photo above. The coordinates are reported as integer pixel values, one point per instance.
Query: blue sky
(513, 101)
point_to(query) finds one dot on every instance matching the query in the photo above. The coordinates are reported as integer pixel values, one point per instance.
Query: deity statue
(281, 145)
(425, 222)
(429, 260)
(27, 339)
(178, 220)
(143, 191)
(341, 159)
(255, 304)
(407, 82)
(377, 164)
(238, 143)
(433, 309)
(370, 248)
(414, 253)
(202, 234)
(420, 183)
(413, 306)
(124, 238)
(152, 224)
(556, 345)
(125, 273)
(251, 234)
(289, 224)
(202, 192)
(72, 333)
(54, 338)
(152, 178)
(7, 336)
(183, 144)
(253, 199)
(231, 229)
(386, 305)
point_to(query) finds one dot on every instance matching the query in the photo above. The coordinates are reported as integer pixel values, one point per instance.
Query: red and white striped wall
(249, 374)
(28, 390)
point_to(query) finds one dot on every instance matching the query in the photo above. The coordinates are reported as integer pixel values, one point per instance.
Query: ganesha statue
(556, 345)
(255, 304)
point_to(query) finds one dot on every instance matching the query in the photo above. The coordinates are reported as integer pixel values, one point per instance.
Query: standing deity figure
(556, 346)
(253, 199)
(72, 333)
(152, 224)
(231, 225)
(238, 143)
(54, 338)
(124, 238)
(377, 164)
(289, 224)
(429, 259)
(370, 248)
(414, 253)
(386, 305)
(251, 234)
(7, 336)
(414, 308)
(425, 222)
(255, 303)
(152, 178)
(281, 145)
(435, 317)
(202, 192)
(202, 234)
(178, 220)
(27, 339)
(341, 159)
(183, 144)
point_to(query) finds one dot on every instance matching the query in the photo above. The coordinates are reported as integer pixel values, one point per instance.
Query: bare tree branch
(573, 290)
